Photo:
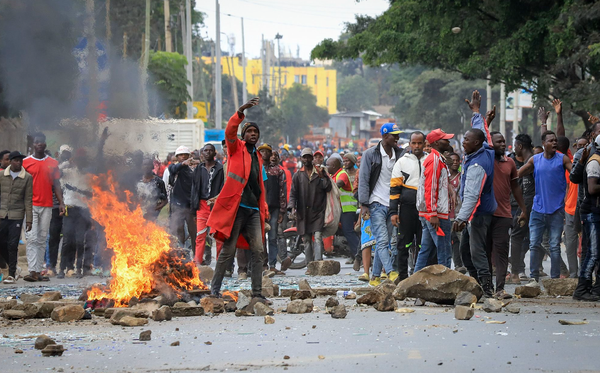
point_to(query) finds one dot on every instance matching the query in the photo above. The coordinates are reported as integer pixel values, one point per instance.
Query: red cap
(319, 152)
(438, 134)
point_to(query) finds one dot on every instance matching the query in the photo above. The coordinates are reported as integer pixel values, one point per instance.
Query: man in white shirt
(374, 196)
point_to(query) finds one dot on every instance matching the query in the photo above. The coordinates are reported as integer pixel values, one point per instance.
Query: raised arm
(234, 122)
(477, 120)
(543, 117)
(560, 127)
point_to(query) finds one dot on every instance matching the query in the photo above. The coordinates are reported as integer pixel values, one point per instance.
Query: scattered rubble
(212, 305)
(303, 285)
(464, 298)
(437, 283)
(301, 294)
(386, 304)
(324, 268)
(50, 296)
(206, 273)
(146, 335)
(297, 307)
(261, 309)
(269, 320)
(29, 298)
(243, 300)
(512, 308)
(339, 312)
(53, 350)
(230, 307)
(405, 310)
(564, 287)
(492, 305)
(332, 302)
(530, 290)
(42, 341)
(370, 298)
(572, 322)
(68, 313)
(164, 313)
(176, 343)
(463, 312)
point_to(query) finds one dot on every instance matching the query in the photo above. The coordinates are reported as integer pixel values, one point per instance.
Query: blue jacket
(477, 182)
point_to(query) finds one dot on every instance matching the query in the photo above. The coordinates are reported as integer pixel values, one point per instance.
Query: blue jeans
(430, 241)
(379, 227)
(591, 229)
(538, 224)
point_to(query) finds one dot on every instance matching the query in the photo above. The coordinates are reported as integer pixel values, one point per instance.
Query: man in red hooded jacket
(240, 209)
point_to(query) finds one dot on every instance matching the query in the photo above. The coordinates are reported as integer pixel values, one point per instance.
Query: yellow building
(322, 81)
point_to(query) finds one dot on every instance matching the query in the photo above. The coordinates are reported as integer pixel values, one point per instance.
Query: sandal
(30, 278)
(43, 278)
(9, 280)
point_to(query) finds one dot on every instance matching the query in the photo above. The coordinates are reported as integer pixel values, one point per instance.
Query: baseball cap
(306, 151)
(65, 148)
(16, 154)
(438, 134)
(597, 141)
(265, 146)
(182, 150)
(391, 128)
(319, 152)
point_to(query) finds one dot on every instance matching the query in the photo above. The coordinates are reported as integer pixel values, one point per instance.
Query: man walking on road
(374, 196)
(180, 177)
(403, 201)
(241, 210)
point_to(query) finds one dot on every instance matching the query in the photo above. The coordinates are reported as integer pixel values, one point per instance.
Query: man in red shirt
(44, 170)
(505, 182)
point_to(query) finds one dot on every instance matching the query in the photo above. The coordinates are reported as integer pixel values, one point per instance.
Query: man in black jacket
(180, 177)
(207, 182)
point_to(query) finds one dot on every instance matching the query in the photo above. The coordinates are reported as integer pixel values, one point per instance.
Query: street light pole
(278, 37)
(244, 88)
(218, 93)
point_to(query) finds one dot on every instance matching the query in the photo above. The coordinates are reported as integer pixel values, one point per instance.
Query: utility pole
(92, 62)
(516, 121)
(145, 60)
(188, 48)
(218, 99)
(244, 88)
(201, 75)
(168, 42)
(278, 37)
(502, 109)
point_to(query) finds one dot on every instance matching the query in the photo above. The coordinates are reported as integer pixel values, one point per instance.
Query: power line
(302, 10)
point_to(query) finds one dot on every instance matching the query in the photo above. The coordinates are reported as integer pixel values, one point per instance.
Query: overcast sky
(302, 24)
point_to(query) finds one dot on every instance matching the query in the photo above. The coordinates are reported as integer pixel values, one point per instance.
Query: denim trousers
(430, 240)
(379, 227)
(591, 229)
(538, 224)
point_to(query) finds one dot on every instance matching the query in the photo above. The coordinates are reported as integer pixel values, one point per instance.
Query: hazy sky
(302, 24)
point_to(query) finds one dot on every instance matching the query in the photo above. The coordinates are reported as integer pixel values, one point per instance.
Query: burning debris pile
(144, 264)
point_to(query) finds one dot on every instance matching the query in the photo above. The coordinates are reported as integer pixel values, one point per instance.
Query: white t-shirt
(381, 192)
(593, 169)
(14, 174)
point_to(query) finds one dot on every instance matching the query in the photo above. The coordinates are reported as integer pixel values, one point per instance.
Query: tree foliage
(270, 119)
(167, 73)
(551, 47)
(299, 107)
(356, 93)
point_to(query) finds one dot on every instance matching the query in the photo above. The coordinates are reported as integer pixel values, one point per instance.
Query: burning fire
(231, 294)
(143, 257)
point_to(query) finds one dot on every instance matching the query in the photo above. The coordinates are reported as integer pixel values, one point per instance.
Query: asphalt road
(430, 339)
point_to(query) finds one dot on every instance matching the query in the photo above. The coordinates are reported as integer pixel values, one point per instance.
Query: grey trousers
(571, 244)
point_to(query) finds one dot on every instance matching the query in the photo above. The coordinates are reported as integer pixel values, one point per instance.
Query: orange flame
(142, 252)
(231, 294)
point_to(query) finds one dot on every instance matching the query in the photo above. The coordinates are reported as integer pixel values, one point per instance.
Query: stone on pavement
(528, 291)
(50, 296)
(146, 335)
(29, 298)
(68, 313)
(7, 304)
(464, 298)
(303, 285)
(42, 341)
(437, 283)
(53, 350)
(309, 304)
(212, 305)
(339, 312)
(149, 305)
(564, 287)
(297, 307)
(21, 311)
(243, 312)
(45, 308)
(269, 320)
(332, 302)
(370, 298)
(385, 288)
(164, 313)
(261, 309)
(135, 312)
(324, 268)
(230, 307)
(187, 311)
(512, 308)
(268, 289)
(243, 300)
(130, 321)
(492, 305)
(386, 304)
(301, 294)
(463, 312)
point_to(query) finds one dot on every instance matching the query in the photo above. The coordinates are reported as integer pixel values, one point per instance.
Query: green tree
(299, 107)
(541, 45)
(356, 93)
(167, 73)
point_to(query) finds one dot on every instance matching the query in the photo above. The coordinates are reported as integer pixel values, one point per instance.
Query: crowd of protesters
(401, 209)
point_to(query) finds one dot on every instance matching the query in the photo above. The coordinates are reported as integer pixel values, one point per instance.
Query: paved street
(430, 339)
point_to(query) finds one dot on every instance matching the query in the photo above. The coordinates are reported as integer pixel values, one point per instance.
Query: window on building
(304, 79)
(315, 80)
(296, 78)
(327, 82)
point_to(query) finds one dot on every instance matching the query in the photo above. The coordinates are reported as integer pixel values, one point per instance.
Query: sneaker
(349, 261)
(502, 294)
(60, 275)
(394, 276)
(18, 273)
(514, 279)
(260, 298)
(364, 277)
(356, 265)
(462, 270)
(523, 276)
(242, 276)
(286, 263)
(375, 281)
(9, 280)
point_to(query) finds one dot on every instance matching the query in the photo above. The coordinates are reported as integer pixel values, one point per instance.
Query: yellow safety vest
(349, 203)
